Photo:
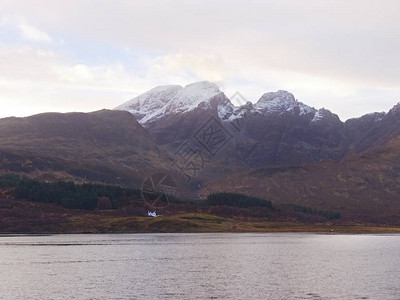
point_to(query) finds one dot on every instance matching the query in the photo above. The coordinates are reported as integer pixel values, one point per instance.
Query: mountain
(171, 100)
(107, 146)
(277, 148)
(284, 150)
(373, 129)
(277, 129)
(365, 184)
(173, 113)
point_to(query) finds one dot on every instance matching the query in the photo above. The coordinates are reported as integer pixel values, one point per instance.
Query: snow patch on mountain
(224, 111)
(230, 112)
(151, 104)
(378, 116)
(326, 115)
(281, 101)
(317, 116)
(171, 99)
(191, 96)
(174, 99)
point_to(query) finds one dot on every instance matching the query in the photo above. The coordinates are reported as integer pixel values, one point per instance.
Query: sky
(61, 56)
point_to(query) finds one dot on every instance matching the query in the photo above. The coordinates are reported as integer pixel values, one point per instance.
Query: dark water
(200, 266)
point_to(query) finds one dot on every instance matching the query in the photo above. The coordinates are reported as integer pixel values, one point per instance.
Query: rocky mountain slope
(286, 151)
(362, 184)
(276, 130)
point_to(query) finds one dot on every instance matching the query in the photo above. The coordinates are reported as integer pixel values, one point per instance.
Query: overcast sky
(88, 55)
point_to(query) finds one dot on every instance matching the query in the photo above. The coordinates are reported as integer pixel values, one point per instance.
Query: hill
(104, 146)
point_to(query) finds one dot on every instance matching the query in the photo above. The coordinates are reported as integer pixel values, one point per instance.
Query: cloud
(34, 34)
(189, 66)
(342, 55)
(26, 30)
(36, 80)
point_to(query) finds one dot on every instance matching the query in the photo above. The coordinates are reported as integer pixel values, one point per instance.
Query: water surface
(200, 266)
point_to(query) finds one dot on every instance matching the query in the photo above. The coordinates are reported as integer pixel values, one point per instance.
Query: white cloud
(187, 67)
(35, 80)
(26, 30)
(32, 33)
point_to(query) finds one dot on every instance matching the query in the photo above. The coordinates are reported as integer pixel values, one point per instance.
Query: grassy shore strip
(200, 223)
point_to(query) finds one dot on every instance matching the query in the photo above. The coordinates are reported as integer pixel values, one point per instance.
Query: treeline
(237, 200)
(67, 193)
(312, 211)
(9, 180)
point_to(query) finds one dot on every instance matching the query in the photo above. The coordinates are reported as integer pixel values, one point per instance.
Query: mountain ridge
(164, 99)
(277, 121)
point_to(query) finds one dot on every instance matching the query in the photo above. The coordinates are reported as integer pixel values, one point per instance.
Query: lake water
(200, 266)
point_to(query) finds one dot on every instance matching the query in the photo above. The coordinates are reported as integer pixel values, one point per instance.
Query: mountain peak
(151, 103)
(191, 96)
(395, 110)
(281, 101)
(169, 99)
(277, 96)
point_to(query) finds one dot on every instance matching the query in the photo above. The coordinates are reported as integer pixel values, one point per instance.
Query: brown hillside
(108, 146)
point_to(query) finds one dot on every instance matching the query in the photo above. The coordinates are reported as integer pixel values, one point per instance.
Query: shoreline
(192, 223)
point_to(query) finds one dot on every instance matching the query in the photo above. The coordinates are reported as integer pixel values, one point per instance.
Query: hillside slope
(363, 184)
(107, 146)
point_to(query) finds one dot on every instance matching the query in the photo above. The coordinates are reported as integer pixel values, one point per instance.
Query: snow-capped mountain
(276, 130)
(277, 102)
(173, 114)
(151, 105)
(270, 104)
(171, 99)
(167, 100)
